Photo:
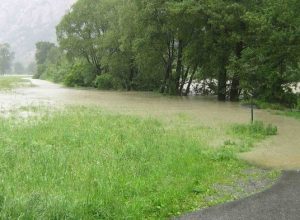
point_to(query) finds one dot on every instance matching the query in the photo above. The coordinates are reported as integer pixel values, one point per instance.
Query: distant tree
(6, 57)
(19, 68)
(42, 51)
(81, 31)
(31, 68)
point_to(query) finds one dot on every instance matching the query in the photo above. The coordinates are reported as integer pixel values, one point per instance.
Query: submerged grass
(10, 82)
(247, 135)
(293, 114)
(82, 163)
(279, 109)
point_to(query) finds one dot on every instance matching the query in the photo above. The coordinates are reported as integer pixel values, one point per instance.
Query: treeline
(229, 48)
(7, 66)
(6, 58)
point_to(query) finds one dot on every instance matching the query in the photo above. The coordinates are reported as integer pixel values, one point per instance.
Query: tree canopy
(225, 47)
(6, 58)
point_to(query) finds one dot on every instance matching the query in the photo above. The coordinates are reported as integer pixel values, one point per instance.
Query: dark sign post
(252, 109)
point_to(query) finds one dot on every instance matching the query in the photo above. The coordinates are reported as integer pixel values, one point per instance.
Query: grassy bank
(82, 163)
(279, 109)
(293, 114)
(10, 82)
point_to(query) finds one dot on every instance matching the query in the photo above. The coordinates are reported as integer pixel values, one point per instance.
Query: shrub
(263, 105)
(106, 82)
(41, 68)
(224, 154)
(271, 129)
(257, 129)
(80, 74)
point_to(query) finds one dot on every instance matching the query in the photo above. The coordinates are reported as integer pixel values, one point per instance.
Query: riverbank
(116, 156)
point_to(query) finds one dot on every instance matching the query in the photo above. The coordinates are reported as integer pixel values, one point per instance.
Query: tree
(81, 31)
(31, 68)
(6, 58)
(41, 54)
(167, 45)
(42, 51)
(19, 68)
(270, 64)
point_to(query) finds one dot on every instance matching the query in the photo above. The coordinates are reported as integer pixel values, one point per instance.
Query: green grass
(264, 105)
(10, 82)
(280, 109)
(293, 114)
(82, 163)
(248, 134)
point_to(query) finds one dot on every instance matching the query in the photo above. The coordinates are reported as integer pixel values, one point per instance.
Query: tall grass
(82, 163)
(9, 82)
(248, 135)
(293, 114)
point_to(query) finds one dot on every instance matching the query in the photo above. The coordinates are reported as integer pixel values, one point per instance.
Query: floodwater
(281, 151)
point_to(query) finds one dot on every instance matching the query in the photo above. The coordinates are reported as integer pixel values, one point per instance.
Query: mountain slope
(24, 22)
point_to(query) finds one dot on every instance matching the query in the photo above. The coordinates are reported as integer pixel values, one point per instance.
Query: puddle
(281, 151)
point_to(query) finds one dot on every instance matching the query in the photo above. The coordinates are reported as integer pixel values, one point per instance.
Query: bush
(105, 81)
(263, 105)
(56, 73)
(225, 153)
(271, 129)
(257, 129)
(41, 68)
(80, 74)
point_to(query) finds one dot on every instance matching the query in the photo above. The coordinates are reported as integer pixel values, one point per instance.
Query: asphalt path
(281, 202)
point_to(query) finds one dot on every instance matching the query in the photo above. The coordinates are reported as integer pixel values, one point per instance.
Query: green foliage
(19, 68)
(42, 51)
(106, 82)
(41, 68)
(293, 114)
(263, 105)
(226, 153)
(31, 68)
(80, 74)
(6, 57)
(10, 82)
(257, 130)
(82, 163)
(270, 64)
(247, 48)
(56, 73)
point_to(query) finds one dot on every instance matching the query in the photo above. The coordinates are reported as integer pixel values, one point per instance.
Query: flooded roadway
(281, 151)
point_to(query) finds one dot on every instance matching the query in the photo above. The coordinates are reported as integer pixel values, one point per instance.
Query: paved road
(281, 202)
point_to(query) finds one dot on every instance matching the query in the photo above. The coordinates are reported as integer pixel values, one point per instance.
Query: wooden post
(252, 110)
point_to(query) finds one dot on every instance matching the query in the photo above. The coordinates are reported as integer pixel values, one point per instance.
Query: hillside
(23, 23)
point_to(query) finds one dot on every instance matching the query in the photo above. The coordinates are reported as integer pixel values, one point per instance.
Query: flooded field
(281, 151)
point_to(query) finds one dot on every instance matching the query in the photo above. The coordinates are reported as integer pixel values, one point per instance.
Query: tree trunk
(222, 80)
(234, 90)
(183, 81)
(166, 82)
(166, 78)
(131, 75)
(176, 81)
(188, 88)
(235, 85)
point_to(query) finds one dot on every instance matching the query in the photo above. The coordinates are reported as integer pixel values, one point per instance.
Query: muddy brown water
(281, 151)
